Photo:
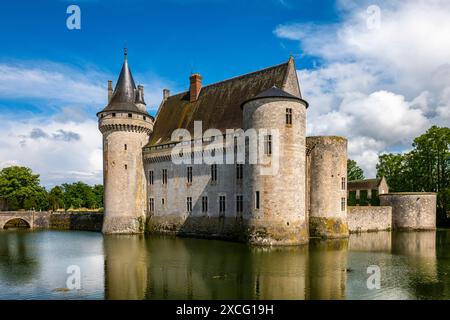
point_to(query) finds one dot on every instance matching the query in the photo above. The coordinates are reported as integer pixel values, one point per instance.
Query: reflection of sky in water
(33, 266)
(43, 261)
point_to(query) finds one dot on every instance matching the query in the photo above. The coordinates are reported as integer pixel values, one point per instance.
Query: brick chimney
(166, 94)
(110, 90)
(195, 86)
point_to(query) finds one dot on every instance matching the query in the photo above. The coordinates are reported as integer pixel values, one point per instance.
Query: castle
(295, 189)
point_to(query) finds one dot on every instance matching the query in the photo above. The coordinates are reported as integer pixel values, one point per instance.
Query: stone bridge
(25, 216)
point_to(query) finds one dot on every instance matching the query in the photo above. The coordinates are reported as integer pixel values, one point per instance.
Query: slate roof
(125, 94)
(218, 105)
(273, 92)
(367, 184)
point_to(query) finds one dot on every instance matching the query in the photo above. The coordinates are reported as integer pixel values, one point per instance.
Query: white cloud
(380, 87)
(58, 152)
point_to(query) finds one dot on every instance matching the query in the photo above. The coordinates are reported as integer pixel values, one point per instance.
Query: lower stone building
(366, 192)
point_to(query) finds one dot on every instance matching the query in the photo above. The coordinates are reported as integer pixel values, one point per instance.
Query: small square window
(130, 115)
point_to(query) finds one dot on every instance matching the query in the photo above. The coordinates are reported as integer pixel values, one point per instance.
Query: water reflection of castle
(170, 268)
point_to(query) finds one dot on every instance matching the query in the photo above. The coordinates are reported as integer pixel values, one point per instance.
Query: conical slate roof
(273, 92)
(125, 92)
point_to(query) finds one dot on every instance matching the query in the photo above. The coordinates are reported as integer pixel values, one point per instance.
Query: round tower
(327, 186)
(275, 184)
(126, 126)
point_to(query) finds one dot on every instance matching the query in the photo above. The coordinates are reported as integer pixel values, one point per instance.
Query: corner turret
(126, 126)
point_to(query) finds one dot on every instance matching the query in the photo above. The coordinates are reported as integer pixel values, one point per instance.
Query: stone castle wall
(172, 216)
(281, 217)
(411, 211)
(326, 167)
(86, 221)
(369, 218)
(123, 170)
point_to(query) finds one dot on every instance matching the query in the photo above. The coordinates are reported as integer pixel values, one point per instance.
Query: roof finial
(125, 50)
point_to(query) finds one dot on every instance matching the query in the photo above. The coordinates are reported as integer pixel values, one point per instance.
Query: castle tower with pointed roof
(126, 126)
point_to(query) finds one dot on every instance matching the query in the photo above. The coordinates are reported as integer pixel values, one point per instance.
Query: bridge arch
(16, 222)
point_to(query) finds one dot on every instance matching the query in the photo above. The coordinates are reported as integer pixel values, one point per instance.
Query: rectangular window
(189, 204)
(125, 147)
(150, 177)
(189, 174)
(113, 114)
(126, 167)
(239, 204)
(343, 184)
(163, 203)
(130, 115)
(257, 200)
(164, 176)
(204, 204)
(214, 172)
(343, 204)
(239, 172)
(151, 205)
(222, 205)
(288, 116)
(268, 144)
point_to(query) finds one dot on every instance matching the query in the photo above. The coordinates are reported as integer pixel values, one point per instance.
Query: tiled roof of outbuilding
(367, 184)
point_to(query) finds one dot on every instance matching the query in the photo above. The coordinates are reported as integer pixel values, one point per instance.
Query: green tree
(98, 194)
(354, 172)
(21, 188)
(79, 195)
(393, 167)
(425, 168)
(56, 198)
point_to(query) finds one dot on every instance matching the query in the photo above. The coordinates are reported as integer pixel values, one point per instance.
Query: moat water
(34, 265)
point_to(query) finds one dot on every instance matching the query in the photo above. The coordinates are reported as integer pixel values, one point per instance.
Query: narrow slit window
(257, 200)
(189, 204)
(239, 204)
(125, 147)
(205, 204)
(343, 204)
(222, 205)
(214, 172)
(288, 116)
(150, 177)
(189, 174)
(151, 205)
(239, 172)
(164, 176)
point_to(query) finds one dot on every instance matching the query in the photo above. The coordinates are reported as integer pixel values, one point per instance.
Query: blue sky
(217, 38)
(378, 84)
